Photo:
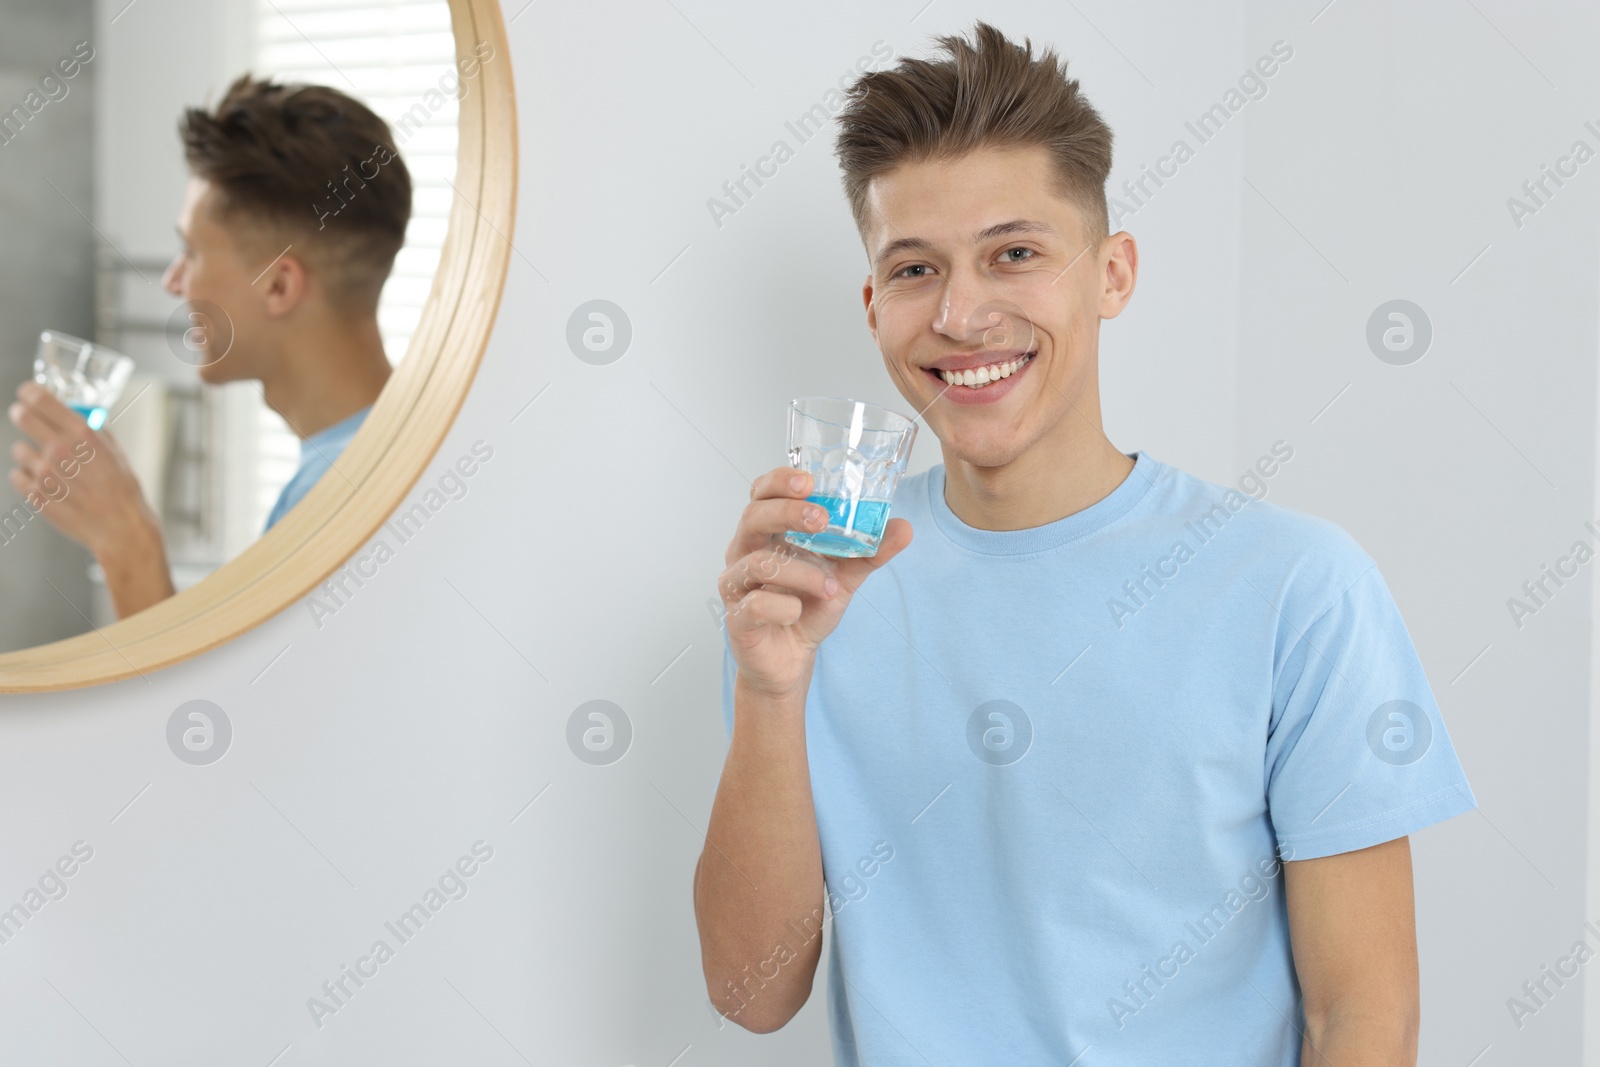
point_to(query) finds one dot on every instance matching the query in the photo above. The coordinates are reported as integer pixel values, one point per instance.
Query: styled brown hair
(990, 93)
(314, 164)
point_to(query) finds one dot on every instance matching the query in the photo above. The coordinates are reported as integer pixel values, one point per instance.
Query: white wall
(1392, 145)
(371, 751)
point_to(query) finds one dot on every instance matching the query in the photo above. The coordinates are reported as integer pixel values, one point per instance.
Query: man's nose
(172, 280)
(977, 316)
(962, 301)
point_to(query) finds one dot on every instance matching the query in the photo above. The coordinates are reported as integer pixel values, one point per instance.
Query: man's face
(1039, 287)
(214, 273)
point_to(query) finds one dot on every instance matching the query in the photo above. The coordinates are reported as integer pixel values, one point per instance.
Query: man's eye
(915, 266)
(1031, 253)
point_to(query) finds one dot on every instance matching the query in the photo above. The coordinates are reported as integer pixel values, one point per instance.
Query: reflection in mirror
(247, 199)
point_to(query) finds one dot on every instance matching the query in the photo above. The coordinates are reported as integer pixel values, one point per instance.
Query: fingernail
(797, 481)
(831, 585)
(814, 515)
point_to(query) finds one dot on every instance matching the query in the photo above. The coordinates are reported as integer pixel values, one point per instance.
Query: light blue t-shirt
(317, 454)
(1054, 770)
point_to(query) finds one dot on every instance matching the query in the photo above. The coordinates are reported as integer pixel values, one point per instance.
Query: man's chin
(215, 373)
(989, 446)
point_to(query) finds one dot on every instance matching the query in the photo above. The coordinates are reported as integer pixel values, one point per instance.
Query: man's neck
(1053, 479)
(327, 376)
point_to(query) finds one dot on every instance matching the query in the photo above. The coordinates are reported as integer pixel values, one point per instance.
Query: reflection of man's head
(296, 206)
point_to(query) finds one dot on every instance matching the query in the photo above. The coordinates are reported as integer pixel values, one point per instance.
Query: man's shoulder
(1286, 539)
(317, 455)
(339, 433)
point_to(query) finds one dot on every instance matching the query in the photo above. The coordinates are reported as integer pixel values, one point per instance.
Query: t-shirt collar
(1112, 506)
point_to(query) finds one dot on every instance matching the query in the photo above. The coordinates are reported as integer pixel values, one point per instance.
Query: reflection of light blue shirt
(1054, 770)
(317, 454)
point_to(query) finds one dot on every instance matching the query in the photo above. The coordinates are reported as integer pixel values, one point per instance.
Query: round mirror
(257, 249)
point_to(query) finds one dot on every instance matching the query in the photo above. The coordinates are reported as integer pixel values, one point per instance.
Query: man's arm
(1352, 924)
(758, 887)
(137, 572)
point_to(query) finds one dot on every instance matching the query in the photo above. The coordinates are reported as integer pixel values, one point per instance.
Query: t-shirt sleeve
(1357, 753)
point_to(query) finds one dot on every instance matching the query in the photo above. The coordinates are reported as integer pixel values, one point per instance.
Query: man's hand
(783, 601)
(81, 481)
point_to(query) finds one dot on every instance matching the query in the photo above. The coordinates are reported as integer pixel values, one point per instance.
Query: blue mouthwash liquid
(845, 535)
(95, 416)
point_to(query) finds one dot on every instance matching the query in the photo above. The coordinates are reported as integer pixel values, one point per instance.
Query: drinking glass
(856, 453)
(87, 377)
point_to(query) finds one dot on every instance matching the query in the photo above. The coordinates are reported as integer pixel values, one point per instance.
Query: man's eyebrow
(999, 229)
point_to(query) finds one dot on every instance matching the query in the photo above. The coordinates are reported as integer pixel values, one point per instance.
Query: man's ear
(285, 285)
(1121, 257)
(872, 310)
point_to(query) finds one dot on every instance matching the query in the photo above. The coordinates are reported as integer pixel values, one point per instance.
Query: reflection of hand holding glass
(80, 480)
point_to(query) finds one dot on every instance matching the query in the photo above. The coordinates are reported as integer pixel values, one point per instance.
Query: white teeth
(984, 375)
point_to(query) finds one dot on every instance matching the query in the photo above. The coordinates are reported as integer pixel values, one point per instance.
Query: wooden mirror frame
(388, 454)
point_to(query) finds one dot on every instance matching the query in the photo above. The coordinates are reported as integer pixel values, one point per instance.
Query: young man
(1047, 778)
(295, 209)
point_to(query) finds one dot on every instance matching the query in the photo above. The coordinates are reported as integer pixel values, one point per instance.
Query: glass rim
(52, 337)
(904, 423)
(81, 349)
